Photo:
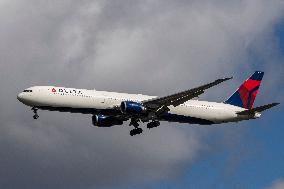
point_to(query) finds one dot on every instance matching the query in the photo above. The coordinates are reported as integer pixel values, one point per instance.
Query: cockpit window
(27, 91)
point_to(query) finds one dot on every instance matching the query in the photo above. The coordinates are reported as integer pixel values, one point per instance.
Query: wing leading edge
(160, 105)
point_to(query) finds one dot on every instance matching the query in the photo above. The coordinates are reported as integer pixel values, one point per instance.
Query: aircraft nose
(20, 97)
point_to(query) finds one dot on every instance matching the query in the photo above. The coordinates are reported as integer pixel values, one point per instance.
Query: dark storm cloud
(152, 47)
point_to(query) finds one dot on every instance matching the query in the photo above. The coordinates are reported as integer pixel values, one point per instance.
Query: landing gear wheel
(136, 131)
(153, 124)
(35, 116)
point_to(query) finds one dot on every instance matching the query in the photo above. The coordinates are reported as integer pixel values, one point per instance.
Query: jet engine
(129, 107)
(105, 121)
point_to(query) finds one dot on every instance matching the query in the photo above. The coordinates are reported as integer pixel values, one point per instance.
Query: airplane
(110, 108)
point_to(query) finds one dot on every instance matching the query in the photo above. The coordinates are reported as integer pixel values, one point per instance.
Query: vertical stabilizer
(245, 95)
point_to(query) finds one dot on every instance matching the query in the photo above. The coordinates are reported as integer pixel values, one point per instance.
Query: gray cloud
(151, 47)
(277, 184)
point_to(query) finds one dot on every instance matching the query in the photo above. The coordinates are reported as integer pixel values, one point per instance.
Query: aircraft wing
(161, 104)
(257, 109)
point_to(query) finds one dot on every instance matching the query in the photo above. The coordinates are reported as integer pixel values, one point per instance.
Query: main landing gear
(136, 130)
(153, 124)
(35, 116)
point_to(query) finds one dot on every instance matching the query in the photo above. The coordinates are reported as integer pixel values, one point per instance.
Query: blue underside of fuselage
(110, 112)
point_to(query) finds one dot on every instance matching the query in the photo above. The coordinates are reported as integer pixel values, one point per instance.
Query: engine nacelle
(105, 121)
(129, 107)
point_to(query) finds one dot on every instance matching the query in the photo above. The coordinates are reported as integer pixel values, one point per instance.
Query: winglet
(223, 79)
(216, 82)
(228, 78)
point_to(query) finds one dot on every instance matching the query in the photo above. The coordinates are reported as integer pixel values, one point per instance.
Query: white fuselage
(60, 97)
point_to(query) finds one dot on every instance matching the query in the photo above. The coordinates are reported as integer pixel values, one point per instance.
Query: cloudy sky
(140, 46)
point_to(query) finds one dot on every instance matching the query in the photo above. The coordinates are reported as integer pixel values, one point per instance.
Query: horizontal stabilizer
(257, 109)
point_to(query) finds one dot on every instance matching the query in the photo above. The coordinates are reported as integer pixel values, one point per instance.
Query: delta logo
(67, 91)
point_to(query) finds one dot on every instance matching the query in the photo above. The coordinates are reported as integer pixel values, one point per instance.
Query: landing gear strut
(153, 124)
(35, 116)
(136, 130)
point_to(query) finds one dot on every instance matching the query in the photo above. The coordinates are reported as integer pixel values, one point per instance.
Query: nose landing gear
(35, 116)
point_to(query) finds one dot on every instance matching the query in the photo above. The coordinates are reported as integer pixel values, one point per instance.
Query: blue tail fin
(245, 95)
